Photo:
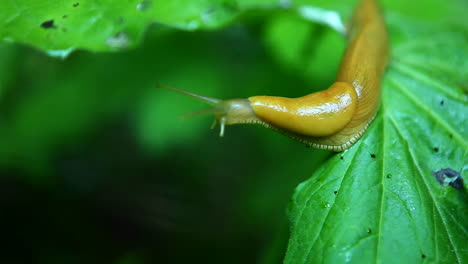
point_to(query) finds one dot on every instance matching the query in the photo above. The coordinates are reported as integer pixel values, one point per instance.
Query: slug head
(226, 112)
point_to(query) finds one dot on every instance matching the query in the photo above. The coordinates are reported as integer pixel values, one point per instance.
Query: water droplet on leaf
(285, 3)
(119, 40)
(192, 25)
(144, 5)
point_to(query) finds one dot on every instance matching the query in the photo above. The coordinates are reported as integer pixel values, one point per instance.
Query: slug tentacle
(202, 98)
(226, 112)
(332, 119)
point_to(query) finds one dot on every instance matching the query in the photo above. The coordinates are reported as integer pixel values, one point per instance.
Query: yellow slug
(332, 119)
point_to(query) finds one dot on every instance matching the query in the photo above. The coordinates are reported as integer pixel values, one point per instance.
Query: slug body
(332, 119)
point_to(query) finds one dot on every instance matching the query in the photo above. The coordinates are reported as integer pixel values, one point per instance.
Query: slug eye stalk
(226, 112)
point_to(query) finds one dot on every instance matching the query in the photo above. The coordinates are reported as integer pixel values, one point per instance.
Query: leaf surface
(59, 27)
(379, 202)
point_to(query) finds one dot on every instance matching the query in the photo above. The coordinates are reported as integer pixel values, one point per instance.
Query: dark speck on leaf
(449, 177)
(389, 176)
(341, 157)
(436, 149)
(64, 16)
(441, 102)
(48, 24)
(423, 256)
(369, 230)
(372, 156)
(76, 4)
(335, 192)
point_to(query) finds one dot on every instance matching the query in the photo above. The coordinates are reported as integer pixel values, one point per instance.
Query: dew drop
(285, 3)
(208, 15)
(144, 5)
(327, 205)
(119, 40)
(62, 54)
(192, 25)
(214, 14)
(330, 18)
(348, 256)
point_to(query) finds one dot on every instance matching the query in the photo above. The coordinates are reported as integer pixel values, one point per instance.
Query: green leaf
(59, 27)
(379, 202)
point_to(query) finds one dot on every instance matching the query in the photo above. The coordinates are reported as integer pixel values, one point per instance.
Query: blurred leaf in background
(60, 27)
(97, 166)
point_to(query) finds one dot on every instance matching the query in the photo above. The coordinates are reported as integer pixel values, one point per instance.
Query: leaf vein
(435, 202)
(309, 250)
(437, 118)
(382, 197)
(422, 78)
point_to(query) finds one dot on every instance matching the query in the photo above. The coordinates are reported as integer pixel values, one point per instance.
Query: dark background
(97, 167)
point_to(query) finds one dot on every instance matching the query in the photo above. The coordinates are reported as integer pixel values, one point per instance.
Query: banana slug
(332, 119)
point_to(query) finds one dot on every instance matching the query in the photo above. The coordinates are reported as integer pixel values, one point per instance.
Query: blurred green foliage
(100, 168)
(97, 167)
